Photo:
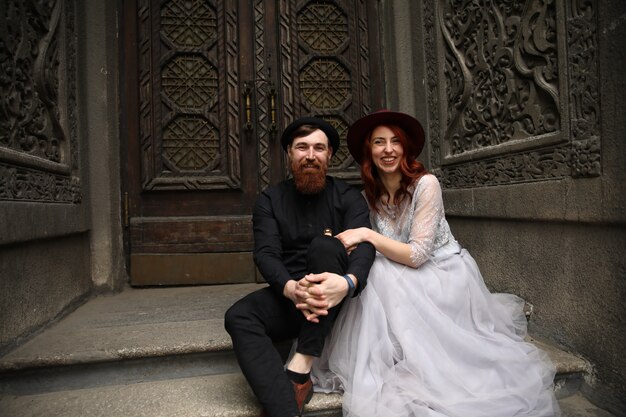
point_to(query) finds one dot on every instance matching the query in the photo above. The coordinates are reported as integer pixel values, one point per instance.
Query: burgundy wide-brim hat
(362, 127)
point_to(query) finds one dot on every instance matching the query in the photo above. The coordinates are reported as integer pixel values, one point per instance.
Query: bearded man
(308, 271)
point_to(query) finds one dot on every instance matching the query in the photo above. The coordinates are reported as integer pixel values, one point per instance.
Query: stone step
(578, 406)
(135, 336)
(225, 395)
(155, 334)
(133, 324)
(153, 338)
(215, 396)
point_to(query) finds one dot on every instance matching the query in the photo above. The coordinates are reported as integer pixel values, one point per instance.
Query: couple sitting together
(383, 303)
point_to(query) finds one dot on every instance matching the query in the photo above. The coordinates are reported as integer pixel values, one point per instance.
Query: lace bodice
(419, 221)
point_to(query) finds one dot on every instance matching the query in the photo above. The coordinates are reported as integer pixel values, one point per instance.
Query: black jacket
(285, 221)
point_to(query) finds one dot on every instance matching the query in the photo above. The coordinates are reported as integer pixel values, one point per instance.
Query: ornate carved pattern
(38, 144)
(190, 143)
(190, 81)
(325, 84)
(548, 163)
(583, 70)
(287, 53)
(322, 27)
(25, 184)
(430, 48)
(189, 121)
(230, 55)
(325, 50)
(261, 99)
(504, 75)
(341, 157)
(29, 122)
(585, 160)
(146, 112)
(364, 58)
(288, 71)
(190, 23)
(501, 71)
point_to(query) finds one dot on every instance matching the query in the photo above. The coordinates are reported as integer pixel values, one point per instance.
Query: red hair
(410, 168)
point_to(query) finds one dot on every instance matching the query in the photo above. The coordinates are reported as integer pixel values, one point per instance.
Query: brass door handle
(271, 98)
(247, 91)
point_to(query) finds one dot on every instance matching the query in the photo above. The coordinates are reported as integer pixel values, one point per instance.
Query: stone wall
(526, 135)
(42, 204)
(60, 232)
(40, 280)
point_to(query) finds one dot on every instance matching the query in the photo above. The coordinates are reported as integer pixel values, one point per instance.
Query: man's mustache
(304, 165)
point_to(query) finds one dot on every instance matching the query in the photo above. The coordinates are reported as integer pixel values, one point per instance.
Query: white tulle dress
(432, 340)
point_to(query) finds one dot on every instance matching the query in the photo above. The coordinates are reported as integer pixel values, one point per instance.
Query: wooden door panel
(331, 67)
(192, 268)
(192, 175)
(192, 234)
(209, 86)
(189, 116)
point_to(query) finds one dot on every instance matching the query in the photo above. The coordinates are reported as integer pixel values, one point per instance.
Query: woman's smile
(387, 150)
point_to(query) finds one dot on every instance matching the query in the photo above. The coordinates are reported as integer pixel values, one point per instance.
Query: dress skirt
(433, 342)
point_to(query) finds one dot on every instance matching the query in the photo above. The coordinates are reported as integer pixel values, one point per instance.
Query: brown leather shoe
(303, 392)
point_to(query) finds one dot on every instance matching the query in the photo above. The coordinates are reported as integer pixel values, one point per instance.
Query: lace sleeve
(427, 215)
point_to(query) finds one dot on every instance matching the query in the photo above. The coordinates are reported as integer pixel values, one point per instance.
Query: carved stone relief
(515, 97)
(189, 112)
(38, 144)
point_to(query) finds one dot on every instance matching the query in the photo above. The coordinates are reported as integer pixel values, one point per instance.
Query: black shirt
(285, 221)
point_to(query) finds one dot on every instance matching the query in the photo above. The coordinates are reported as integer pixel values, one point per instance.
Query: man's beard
(309, 181)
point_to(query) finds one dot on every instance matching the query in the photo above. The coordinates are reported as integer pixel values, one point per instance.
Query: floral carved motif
(512, 104)
(585, 158)
(25, 184)
(37, 102)
(501, 70)
(583, 71)
(524, 167)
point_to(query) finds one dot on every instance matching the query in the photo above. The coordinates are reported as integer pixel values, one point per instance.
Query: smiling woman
(387, 152)
(427, 337)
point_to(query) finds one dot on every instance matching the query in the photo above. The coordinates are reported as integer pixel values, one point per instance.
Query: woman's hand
(352, 237)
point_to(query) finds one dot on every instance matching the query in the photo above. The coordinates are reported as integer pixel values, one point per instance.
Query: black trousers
(264, 317)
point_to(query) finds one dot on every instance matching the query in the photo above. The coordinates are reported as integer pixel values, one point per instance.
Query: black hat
(323, 125)
(363, 126)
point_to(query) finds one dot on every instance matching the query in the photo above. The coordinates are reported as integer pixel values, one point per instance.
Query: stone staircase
(164, 352)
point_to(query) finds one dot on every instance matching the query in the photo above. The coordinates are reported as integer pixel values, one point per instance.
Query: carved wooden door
(209, 85)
